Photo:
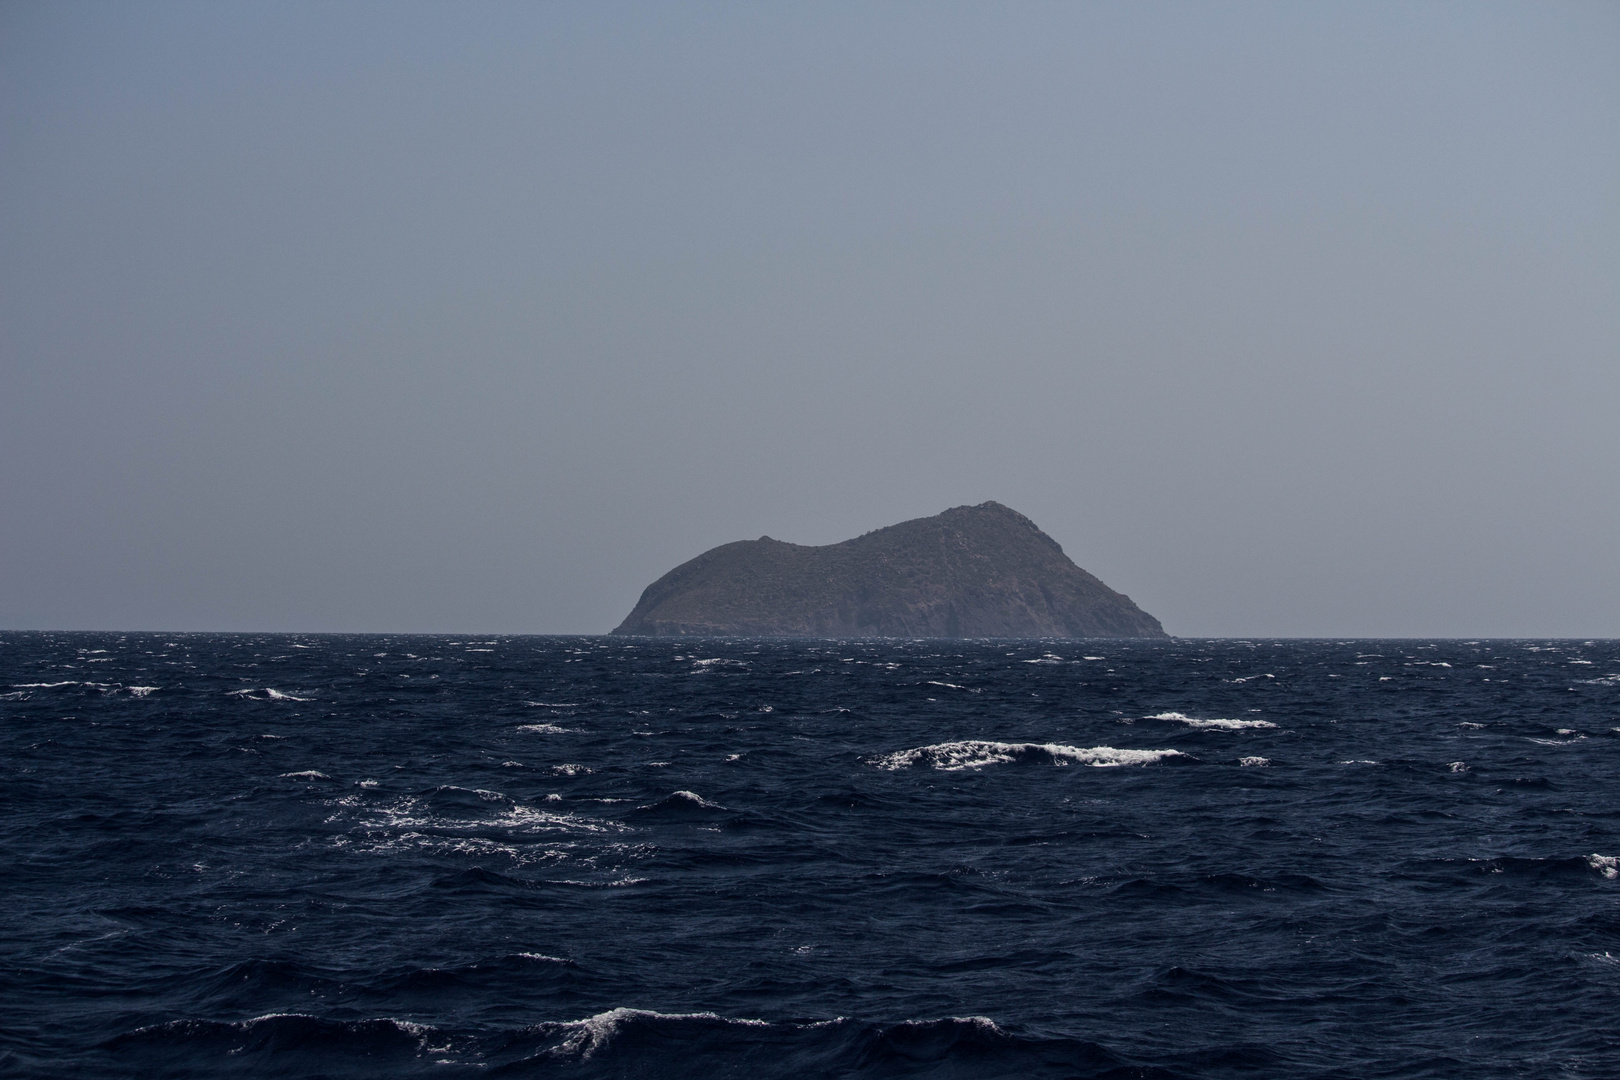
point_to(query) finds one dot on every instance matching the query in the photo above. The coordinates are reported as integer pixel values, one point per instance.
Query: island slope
(972, 571)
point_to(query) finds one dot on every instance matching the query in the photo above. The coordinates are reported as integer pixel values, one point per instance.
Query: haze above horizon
(1285, 320)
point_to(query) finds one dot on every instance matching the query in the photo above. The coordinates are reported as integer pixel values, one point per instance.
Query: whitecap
(1607, 865)
(682, 800)
(141, 691)
(585, 1037)
(544, 729)
(1254, 761)
(307, 774)
(977, 753)
(1216, 722)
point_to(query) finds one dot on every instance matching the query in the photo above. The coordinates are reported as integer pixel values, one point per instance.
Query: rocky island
(972, 571)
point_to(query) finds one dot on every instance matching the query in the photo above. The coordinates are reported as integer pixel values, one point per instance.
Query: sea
(451, 856)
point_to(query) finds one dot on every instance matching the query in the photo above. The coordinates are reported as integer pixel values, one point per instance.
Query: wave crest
(977, 753)
(1215, 722)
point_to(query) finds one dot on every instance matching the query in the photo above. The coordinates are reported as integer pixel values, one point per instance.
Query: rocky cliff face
(973, 571)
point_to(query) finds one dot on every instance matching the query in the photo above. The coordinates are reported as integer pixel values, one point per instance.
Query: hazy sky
(1285, 319)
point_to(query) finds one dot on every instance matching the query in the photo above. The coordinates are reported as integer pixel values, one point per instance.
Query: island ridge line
(982, 571)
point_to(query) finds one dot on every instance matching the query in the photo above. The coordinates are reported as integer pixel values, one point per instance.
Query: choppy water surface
(584, 857)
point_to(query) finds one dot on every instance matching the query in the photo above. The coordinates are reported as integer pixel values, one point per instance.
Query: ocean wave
(977, 753)
(627, 1041)
(613, 1043)
(1216, 722)
(681, 804)
(279, 1032)
(270, 694)
(455, 820)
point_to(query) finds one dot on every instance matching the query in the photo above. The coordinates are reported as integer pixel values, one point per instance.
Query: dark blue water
(591, 857)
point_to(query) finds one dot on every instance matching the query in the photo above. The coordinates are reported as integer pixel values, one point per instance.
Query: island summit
(981, 571)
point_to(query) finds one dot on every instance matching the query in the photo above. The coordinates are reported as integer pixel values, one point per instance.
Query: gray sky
(1291, 319)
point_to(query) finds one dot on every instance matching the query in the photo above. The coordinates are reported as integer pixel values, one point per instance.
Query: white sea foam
(269, 695)
(1215, 722)
(141, 691)
(553, 704)
(307, 774)
(1458, 766)
(43, 685)
(1254, 761)
(506, 829)
(585, 1037)
(977, 753)
(687, 799)
(544, 729)
(1607, 865)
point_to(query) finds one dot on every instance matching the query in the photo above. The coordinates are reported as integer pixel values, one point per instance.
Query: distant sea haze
(366, 856)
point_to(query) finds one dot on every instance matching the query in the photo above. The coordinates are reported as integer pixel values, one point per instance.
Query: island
(982, 571)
